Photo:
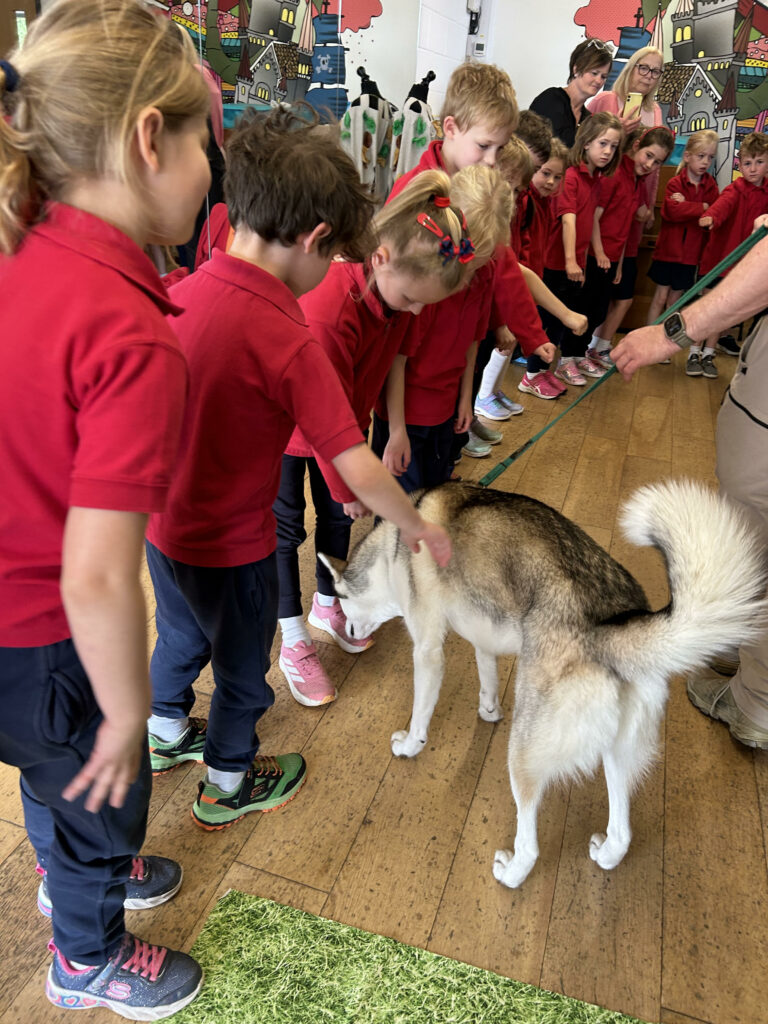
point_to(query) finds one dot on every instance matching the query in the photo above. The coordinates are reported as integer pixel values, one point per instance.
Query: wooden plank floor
(678, 933)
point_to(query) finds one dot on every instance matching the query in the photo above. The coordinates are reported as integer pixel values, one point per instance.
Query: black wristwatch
(674, 328)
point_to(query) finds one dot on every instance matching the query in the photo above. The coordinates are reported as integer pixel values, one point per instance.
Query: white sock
(708, 351)
(294, 631)
(600, 344)
(567, 359)
(226, 781)
(325, 600)
(695, 350)
(167, 729)
(531, 375)
(82, 967)
(493, 373)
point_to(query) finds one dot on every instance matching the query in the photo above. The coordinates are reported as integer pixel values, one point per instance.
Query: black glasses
(649, 72)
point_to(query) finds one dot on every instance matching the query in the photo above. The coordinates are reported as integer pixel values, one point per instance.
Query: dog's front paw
(491, 713)
(511, 870)
(604, 853)
(405, 745)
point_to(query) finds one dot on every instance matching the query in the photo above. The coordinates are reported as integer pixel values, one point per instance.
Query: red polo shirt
(535, 237)
(578, 194)
(734, 214)
(255, 372)
(361, 337)
(91, 400)
(620, 195)
(513, 303)
(431, 160)
(681, 240)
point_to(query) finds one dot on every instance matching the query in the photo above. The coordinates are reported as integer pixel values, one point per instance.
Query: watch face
(673, 325)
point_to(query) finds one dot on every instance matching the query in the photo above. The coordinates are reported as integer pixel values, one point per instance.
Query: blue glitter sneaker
(153, 881)
(140, 982)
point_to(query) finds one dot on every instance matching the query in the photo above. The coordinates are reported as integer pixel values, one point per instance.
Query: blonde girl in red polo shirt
(596, 152)
(102, 151)
(360, 314)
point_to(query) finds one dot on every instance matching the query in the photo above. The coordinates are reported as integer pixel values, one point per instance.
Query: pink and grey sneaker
(332, 620)
(539, 385)
(569, 373)
(556, 384)
(307, 679)
(601, 358)
(590, 368)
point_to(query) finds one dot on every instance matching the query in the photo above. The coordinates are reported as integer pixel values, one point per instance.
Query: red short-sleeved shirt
(681, 240)
(361, 337)
(513, 303)
(621, 195)
(437, 344)
(577, 195)
(535, 237)
(734, 214)
(255, 371)
(91, 400)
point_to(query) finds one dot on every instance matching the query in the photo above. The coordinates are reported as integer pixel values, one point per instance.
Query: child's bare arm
(597, 241)
(543, 297)
(397, 454)
(105, 608)
(464, 417)
(572, 268)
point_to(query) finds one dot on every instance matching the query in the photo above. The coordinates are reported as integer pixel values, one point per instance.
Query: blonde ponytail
(86, 69)
(431, 209)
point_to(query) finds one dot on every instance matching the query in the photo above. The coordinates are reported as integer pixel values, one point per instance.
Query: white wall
(441, 43)
(386, 50)
(531, 39)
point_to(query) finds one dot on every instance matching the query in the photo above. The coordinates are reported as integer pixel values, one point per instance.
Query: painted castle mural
(716, 63)
(266, 51)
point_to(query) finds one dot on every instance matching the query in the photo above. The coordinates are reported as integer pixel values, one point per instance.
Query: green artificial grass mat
(266, 963)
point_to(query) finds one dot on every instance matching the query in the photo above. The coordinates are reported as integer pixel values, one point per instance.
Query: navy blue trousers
(332, 530)
(48, 728)
(225, 616)
(431, 449)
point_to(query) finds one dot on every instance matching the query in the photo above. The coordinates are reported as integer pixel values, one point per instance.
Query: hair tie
(9, 76)
(464, 251)
(441, 202)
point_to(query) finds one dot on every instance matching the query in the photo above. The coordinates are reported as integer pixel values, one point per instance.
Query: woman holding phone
(632, 98)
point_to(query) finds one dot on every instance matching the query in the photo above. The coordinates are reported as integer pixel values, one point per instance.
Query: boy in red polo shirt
(294, 200)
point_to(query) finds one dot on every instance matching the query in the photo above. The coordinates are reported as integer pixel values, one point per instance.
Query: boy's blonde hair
(699, 141)
(515, 163)
(621, 85)
(415, 247)
(754, 144)
(488, 205)
(481, 93)
(86, 69)
(592, 129)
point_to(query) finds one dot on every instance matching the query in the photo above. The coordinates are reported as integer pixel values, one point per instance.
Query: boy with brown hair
(295, 201)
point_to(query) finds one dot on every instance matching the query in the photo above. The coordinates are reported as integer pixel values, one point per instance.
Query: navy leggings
(225, 616)
(48, 729)
(431, 460)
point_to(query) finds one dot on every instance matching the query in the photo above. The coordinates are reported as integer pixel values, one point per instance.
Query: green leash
(729, 260)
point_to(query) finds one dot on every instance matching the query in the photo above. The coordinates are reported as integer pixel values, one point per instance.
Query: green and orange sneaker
(189, 747)
(269, 784)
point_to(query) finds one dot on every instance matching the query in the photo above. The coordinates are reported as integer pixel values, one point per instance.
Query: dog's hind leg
(625, 764)
(489, 708)
(512, 869)
(428, 663)
(609, 849)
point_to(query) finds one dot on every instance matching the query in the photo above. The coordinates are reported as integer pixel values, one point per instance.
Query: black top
(555, 103)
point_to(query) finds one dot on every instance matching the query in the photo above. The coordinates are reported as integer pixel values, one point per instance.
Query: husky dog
(593, 661)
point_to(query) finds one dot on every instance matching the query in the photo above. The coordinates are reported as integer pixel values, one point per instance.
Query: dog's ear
(335, 566)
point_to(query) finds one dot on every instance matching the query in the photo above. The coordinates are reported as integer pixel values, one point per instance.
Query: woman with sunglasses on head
(589, 67)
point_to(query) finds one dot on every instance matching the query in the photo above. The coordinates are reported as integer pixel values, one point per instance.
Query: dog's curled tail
(716, 570)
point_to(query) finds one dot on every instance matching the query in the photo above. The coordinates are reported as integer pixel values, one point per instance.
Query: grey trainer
(712, 695)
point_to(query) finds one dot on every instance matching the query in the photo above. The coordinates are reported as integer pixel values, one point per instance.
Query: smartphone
(632, 104)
